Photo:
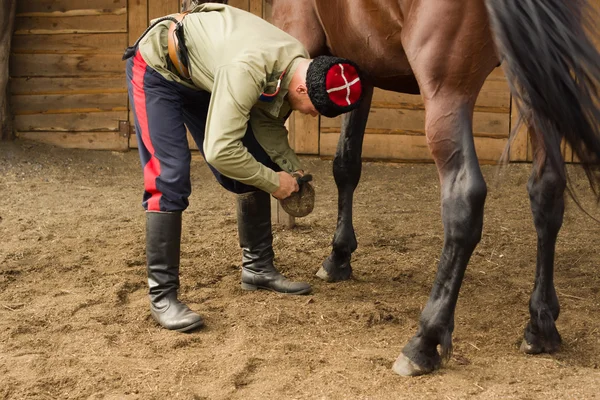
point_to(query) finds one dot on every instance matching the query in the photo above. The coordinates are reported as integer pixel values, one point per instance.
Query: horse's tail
(554, 72)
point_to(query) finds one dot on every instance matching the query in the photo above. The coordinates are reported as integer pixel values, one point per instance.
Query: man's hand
(287, 186)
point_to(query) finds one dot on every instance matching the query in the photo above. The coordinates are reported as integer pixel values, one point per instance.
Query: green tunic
(236, 56)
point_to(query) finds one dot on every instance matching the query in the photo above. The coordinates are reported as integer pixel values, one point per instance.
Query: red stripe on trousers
(152, 168)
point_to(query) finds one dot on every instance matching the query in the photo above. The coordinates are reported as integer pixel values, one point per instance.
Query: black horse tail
(553, 68)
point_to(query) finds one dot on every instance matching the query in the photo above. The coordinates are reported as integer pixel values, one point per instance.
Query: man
(232, 79)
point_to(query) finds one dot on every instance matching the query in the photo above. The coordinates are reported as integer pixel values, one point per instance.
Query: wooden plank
(306, 134)
(242, 4)
(50, 6)
(411, 148)
(75, 13)
(160, 8)
(70, 103)
(494, 97)
(7, 18)
(267, 11)
(137, 16)
(58, 25)
(79, 140)
(69, 43)
(28, 65)
(78, 122)
(256, 7)
(279, 216)
(44, 85)
(484, 124)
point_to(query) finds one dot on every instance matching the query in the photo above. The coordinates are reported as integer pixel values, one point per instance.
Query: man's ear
(301, 89)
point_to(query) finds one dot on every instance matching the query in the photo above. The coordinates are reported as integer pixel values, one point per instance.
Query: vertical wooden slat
(267, 13)
(160, 8)
(137, 22)
(241, 4)
(279, 216)
(256, 7)
(306, 134)
(137, 18)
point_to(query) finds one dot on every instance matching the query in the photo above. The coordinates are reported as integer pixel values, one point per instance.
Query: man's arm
(272, 135)
(234, 94)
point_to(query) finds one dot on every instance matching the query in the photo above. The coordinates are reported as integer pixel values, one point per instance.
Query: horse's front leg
(546, 193)
(463, 193)
(346, 171)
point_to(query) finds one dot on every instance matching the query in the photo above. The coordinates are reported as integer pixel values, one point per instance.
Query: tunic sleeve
(234, 94)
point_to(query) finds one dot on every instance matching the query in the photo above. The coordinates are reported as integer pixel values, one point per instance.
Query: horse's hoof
(529, 348)
(338, 275)
(535, 348)
(405, 367)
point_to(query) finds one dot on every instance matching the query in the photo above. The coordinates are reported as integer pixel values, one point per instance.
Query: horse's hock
(68, 87)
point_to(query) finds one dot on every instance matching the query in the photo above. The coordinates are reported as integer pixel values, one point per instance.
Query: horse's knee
(346, 170)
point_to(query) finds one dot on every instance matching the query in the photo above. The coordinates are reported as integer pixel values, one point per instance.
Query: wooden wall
(67, 77)
(68, 87)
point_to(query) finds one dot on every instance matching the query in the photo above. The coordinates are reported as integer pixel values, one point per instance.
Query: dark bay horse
(444, 50)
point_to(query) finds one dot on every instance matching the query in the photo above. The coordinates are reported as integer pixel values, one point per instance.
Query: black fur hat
(334, 85)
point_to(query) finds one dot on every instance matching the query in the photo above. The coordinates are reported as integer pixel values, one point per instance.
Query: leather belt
(176, 54)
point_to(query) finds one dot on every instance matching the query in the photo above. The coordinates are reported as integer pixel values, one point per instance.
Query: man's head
(326, 85)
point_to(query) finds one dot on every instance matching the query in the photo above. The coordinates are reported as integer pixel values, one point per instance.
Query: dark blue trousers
(162, 110)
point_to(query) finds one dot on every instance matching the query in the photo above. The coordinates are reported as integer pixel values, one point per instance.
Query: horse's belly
(370, 35)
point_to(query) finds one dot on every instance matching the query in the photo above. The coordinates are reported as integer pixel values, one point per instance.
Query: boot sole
(191, 327)
(250, 287)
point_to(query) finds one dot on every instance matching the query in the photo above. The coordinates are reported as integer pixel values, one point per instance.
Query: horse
(444, 50)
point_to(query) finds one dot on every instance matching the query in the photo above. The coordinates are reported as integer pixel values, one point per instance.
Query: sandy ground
(74, 319)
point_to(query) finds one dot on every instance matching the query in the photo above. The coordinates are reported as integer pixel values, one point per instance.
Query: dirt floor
(74, 319)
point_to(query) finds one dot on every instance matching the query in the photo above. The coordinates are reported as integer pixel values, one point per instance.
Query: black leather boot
(163, 240)
(256, 241)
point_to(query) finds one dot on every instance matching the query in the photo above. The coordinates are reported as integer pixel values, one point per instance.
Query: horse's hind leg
(451, 63)
(546, 189)
(346, 171)
(449, 132)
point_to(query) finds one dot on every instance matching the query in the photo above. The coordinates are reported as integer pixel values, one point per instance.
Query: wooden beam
(411, 148)
(484, 123)
(71, 122)
(69, 103)
(137, 19)
(28, 65)
(75, 13)
(241, 4)
(160, 8)
(50, 6)
(70, 43)
(80, 140)
(82, 24)
(68, 85)
(256, 7)
(306, 133)
(279, 216)
(7, 18)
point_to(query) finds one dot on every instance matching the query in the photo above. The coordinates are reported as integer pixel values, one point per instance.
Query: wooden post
(7, 21)
(279, 216)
